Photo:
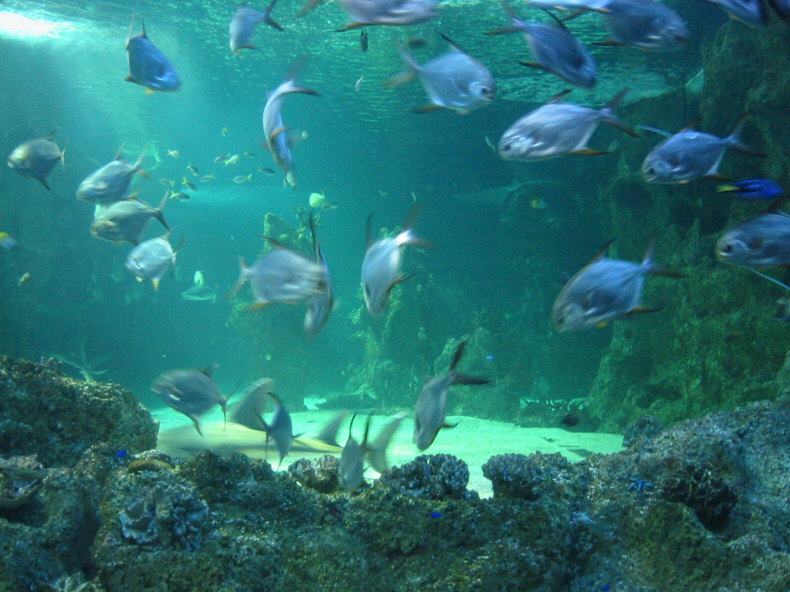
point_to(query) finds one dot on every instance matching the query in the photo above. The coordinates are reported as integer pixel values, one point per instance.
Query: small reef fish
(173, 153)
(189, 184)
(206, 178)
(281, 275)
(454, 80)
(280, 429)
(36, 158)
(7, 241)
(644, 24)
(232, 159)
(750, 12)
(430, 412)
(603, 290)
(242, 26)
(363, 40)
(151, 259)
(23, 279)
(753, 189)
(381, 266)
(239, 179)
(221, 158)
(320, 306)
(266, 170)
(555, 50)
(167, 182)
(276, 137)
(760, 242)
(191, 392)
(193, 169)
(351, 469)
(318, 201)
(558, 129)
(689, 154)
(358, 84)
(180, 196)
(125, 220)
(148, 66)
(387, 12)
(110, 182)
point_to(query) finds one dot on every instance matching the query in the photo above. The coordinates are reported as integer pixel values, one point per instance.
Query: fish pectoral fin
(277, 132)
(533, 65)
(427, 108)
(640, 310)
(588, 152)
(399, 280)
(257, 306)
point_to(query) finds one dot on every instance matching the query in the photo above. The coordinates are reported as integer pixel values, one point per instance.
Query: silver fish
(148, 66)
(151, 259)
(454, 80)
(280, 429)
(125, 220)
(242, 26)
(555, 50)
(750, 12)
(191, 392)
(645, 24)
(36, 158)
(281, 275)
(273, 129)
(110, 182)
(351, 469)
(320, 305)
(761, 242)
(388, 12)
(381, 266)
(689, 154)
(557, 129)
(430, 412)
(603, 290)
(249, 411)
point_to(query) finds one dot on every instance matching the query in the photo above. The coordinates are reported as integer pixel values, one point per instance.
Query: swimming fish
(603, 290)
(125, 220)
(320, 305)
(193, 169)
(377, 450)
(689, 154)
(239, 179)
(276, 137)
(199, 293)
(206, 178)
(151, 259)
(760, 242)
(386, 12)
(558, 129)
(555, 50)
(351, 469)
(173, 153)
(430, 412)
(381, 266)
(363, 40)
(110, 182)
(191, 392)
(644, 24)
(281, 275)
(7, 241)
(180, 196)
(23, 279)
(242, 26)
(249, 411)
(36, 158)
(753, 189)
(280, 429)
(750, 12)
(454, 80)
(148, 66)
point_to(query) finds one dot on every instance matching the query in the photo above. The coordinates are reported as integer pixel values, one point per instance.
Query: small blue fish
(435, 515)
(753, 189)
(121, 454)
(148, 66)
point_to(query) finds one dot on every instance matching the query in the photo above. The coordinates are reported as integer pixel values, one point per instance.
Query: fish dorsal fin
(453, 45)
(459, 352)
(350, 425)
(120, 151)
(369, 229)
(602, 252)
(377, 451)
(143, 33)
(210, 369)
(558, 97)
(414, 212)
(556, 19)
(690, 125)
(328, 435)
(655, 130)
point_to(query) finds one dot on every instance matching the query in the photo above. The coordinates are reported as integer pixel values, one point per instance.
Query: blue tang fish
(753, 189)
(148, 66)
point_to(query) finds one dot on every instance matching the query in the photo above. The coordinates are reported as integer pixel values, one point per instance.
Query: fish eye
(727, 248)
(506, 147)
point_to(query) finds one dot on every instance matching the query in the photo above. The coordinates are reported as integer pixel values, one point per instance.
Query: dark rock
(435, 476)
(643, 429)
(317, 473)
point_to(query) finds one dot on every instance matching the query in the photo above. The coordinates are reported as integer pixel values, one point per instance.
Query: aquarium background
(499, 254)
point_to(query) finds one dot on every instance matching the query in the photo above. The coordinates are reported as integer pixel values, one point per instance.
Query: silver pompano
(125, 220)
(389, 12)
(761, 242)
(430, 412)
(242, 25)
(751, 12)
(454, 80)
(36, 158)
(689, 154)
(191, 392)
(151, 259)
(645, 24)
(280, 429)
(320, 305)
(282, 275)
(557, 129)
(110, 182)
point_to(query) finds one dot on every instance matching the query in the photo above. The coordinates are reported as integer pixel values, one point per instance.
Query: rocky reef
(702, 505)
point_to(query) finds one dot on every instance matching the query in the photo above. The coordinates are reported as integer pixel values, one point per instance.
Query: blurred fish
(558, 129)
(538, 203)
(191, 186)
(431, 410)
(381, 266)
(760, 242)
(250, 154)
(753, 189)
(232, 159)
(224, 132)
(199, 293)
(377, 450)
(193, 169)
(571, 419)
(603, 290)
(242, 26)
(387, 12)
(167, 182)
(280, 429)
(191, 392)
(276, 137)
(198, 278)
(318, 201)
(321, 304)
(249, 411)
(7, 241)
(454, 80)
(206, 178)
(363, 40)
(358, 84)
(555, 50)
(110, 182)
(584, 5)
(221, 158)
(750, 12)
(266, 170)
(148, 66)
(23, 279)
(351, 470)
(180, 196)
(238, 179)
(173, 153)
(689, 154)
(281, 275)
(644, 24)
(151, 259)
(416, 42)
(36, 158)
(125, 220)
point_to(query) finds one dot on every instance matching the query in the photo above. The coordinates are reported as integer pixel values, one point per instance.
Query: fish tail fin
(647, 259)
(243, 275)
(268, 18)
(196, 421)
(734, 140)
(412, 67)
(377, 451)
(459, 353)
(158, 212)
(609, 116)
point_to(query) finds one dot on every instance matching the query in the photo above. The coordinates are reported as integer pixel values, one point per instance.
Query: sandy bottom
(473, 440)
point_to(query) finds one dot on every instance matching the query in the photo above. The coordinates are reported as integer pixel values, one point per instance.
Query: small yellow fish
(224, 132)
(206, 178)
(232, 159)
(166, 182)
(193, 169)
(189, 184)
(266, 170)
(242, 178)
(220, 158)
(23, 279)
(173, 153)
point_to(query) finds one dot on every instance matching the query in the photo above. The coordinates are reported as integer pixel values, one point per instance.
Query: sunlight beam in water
(17, 25)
